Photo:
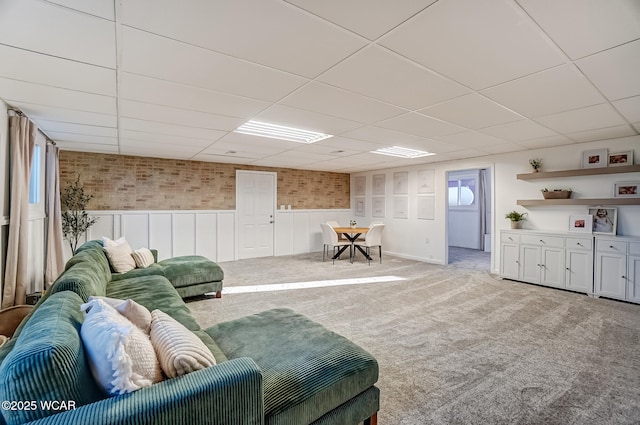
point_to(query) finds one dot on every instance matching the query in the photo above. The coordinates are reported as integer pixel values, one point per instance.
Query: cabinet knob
(541, 241)
(578, 243)
(624, 277)
(517, 262)
(568, 269)
(612, 247)
(510, 238)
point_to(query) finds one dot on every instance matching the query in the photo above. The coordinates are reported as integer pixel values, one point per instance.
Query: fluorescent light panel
(402, 152)
(274, 131)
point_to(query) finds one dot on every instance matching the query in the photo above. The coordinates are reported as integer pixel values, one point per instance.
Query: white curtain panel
(55, 239)
(22, 134)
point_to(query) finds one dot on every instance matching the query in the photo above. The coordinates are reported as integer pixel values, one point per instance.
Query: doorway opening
(469, 220)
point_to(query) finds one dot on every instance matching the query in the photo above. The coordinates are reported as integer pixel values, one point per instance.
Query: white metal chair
(330, 239)
(361, 237)
(373, 238)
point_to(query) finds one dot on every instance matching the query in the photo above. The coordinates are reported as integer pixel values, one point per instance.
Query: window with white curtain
(36, 179)
(463, 192)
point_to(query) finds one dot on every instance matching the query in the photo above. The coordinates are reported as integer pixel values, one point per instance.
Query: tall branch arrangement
(75, 220)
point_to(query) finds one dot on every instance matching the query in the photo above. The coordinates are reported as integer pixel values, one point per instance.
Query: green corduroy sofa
(276, 367)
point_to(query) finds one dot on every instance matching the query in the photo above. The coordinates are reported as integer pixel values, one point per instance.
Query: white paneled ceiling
(460, 78)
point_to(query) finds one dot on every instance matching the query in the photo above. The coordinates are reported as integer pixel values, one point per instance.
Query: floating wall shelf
(579, 172)
(579, 201)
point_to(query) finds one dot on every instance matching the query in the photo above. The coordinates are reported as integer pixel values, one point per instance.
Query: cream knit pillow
(136, 313)
(121, 356)
(120, 257)
(143, 258)
(179, 350)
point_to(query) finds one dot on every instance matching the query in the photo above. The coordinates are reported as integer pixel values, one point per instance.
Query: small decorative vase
(353, 226)
(516, 224)
(536, 170)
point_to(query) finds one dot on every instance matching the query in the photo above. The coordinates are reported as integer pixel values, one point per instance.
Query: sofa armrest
(229, 393)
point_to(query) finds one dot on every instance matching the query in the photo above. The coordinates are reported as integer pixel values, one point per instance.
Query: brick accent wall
(121, 182)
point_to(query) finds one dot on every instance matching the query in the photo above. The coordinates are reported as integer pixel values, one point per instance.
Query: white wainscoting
(172, 233)
(210, 233)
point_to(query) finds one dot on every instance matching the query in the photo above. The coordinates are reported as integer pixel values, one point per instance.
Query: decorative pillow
(121, 356)
(179, 350)
(136, 313)
(110, 242)
(143, 258)
(120, 258)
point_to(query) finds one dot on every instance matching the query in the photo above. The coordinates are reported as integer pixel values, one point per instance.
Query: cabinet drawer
(510, 238)
(543, 240)
(579, 243)
(634, 248)
(619, 247)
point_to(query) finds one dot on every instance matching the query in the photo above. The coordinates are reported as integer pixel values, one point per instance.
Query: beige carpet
(458, 346)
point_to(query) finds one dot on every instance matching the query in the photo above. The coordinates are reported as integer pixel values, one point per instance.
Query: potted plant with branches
(75, 220)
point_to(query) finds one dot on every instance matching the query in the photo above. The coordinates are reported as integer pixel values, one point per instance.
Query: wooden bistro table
(352, 233)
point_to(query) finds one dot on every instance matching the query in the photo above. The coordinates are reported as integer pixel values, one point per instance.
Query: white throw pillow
(120, 257)
(121, 356)
(143, 257)
(110, 242)
(138, 314)
(179, 350)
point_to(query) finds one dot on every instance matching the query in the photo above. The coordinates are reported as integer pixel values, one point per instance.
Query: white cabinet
(617, 273)
(556, 260)
(579, 264)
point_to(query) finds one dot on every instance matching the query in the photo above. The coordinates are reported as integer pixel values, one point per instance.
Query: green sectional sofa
(276, 367)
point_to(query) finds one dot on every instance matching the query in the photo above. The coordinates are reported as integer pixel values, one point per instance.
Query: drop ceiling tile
(493, 42)
(602, 134)
(83, 147)
(629, 108)
(637, 126)
(554, 90)
(420, 125)
(582, 28)
(20, 91)
(65, 127)
(169, 129)
(503, 148)
(58, 31)
(261, 145)
(368, 18)
(583, 119)
(166, 114)
(225, 159)
(328, 150)
(47, 70)
(381, 74)
(466, 153)
(545, 142)
(381, 135)
(328, 100)
(101, 8)
(307, 120)
(50, 113)
(168, 93)
(228, 150)
(470, 139)
(471, 111)
(615, 71)
(519, 131)
(162, 58)
(271, 33)
(164, 139)
(157, 150)
(82, 138)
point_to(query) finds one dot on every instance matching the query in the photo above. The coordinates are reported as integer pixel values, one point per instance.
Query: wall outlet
(426, 240)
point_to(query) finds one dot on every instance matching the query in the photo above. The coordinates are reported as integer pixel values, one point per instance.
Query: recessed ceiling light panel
(402, 152)
(274, 131)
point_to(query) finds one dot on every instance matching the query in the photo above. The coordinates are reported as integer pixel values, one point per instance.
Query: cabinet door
(552, 267)
(509, 261)
(530, 263)
(611, 272)
(579, 271)
(633, 279)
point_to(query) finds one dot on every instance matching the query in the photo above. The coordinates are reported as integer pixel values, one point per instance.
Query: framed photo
(360, 185)
(379, 184)
(605, 220)
(595, 158)
(425, 181)
(400, 207)
(378, 204)
(620, 159)
(401, 183)
(427, 207)
(626, 190)
(360, 206)
(581, 223)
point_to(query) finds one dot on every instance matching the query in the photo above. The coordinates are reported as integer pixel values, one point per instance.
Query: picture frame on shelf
(605, 220)
(581, 223)
(626, 190)
(595, 158)
(620, 159)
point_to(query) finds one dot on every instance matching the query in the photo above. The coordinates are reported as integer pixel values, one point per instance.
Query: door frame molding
(237, 214)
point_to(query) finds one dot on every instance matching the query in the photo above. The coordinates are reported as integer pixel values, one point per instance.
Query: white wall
(209, 233)
(426, 239)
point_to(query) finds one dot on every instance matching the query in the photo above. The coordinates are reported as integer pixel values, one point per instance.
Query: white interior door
(255, 204)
